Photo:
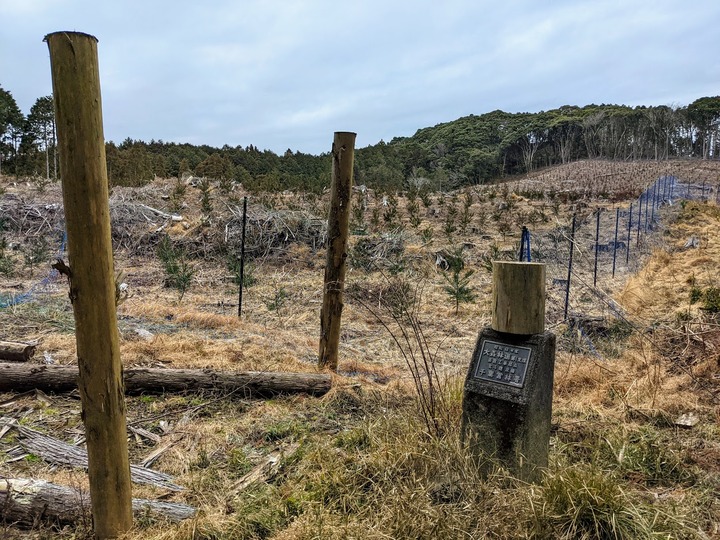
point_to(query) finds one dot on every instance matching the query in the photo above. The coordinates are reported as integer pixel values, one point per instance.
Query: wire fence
(587, 258)
(47, 285)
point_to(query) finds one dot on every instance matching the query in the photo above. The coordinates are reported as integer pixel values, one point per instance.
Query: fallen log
(58, 452)
(27, 501)
(164, 215)
(22, 377)
(16, 352)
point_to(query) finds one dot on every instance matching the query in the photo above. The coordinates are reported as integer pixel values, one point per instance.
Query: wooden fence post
(343, 153)
(78, 112)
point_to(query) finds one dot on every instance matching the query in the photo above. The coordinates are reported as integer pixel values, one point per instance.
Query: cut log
(164, 215)
(27, 501)
(58, 452)
(22, 377)
(16, 352)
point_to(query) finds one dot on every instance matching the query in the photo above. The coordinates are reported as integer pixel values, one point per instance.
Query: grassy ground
(363, 461)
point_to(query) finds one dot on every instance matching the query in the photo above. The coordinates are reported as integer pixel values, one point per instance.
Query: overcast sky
(287, 74)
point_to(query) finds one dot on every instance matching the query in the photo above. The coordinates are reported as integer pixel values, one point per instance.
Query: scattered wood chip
(144, 334)
(266, 470)
(687, 420)
(155, 454)
(145, 434)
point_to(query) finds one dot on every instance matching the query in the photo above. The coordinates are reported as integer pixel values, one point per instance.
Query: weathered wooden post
(343, 154)
(78, 112)
(507, 401)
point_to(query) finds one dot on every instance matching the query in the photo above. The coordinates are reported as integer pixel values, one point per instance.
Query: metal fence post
(627, 247)
(242, 256)
(597, 246)
(615, 243)
(570, 261)
(639, 220)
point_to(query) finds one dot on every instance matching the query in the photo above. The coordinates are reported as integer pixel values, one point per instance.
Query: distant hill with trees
(473, 149)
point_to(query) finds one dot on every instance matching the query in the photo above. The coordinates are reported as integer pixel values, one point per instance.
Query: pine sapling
(458, 282)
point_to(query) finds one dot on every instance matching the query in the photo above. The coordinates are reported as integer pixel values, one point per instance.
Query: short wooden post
(507, 400)
(343, 154)
(78, 112)
(518, 297)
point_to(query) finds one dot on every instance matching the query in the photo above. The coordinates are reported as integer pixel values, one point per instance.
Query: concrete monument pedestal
(507, 399)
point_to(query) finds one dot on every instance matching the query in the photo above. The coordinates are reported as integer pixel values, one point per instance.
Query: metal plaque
(502, 363)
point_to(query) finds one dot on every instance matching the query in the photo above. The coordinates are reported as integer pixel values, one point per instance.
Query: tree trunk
(16, 352)
(26, 501)
(83, 166)
(23, 377)
(338, 224)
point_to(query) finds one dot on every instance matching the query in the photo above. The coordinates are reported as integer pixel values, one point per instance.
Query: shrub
(36, 252)
(233, 265)
(458, 282)
(711, 299)
(178, 273)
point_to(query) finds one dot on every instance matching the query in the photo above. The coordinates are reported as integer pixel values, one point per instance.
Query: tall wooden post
(343, 153)
(78, 113)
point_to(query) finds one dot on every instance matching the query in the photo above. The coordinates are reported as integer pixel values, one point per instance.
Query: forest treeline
(474, 149)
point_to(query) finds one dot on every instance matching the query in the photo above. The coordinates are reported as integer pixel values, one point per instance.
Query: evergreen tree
(41, 124)
(12, 123)
(458, 282)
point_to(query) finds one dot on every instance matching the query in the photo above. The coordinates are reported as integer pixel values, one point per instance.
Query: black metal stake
(615, 243)
(597, 246)
(627, 247)
(567, 286)
(654, 197)
(242, 256)
(639, 220)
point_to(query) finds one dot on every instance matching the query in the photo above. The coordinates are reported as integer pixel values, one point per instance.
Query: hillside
(471, 150)
(638, 351)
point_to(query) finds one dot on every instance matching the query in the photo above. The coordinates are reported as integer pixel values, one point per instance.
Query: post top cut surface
(517, 263)
(68, 32)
